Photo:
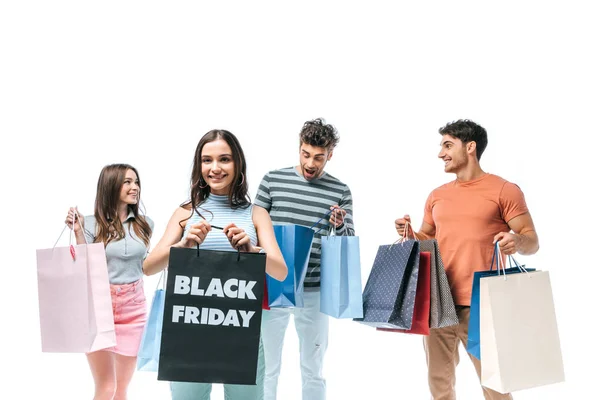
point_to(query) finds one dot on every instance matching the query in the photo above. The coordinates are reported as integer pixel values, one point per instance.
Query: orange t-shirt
(466, 217)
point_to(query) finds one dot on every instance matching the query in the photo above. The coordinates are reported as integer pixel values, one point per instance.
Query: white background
(86, 84)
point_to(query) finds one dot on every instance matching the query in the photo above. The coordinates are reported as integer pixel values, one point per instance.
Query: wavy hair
(108, 194)
(238, 190)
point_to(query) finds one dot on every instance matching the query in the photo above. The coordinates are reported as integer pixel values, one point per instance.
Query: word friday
(211, 316)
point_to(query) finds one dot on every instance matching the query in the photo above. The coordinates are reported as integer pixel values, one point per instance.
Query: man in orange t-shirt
(467, 216)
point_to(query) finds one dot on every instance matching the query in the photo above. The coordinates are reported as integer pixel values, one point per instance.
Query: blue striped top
(217, 211)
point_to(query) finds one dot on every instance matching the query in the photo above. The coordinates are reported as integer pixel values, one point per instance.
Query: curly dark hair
(319, 134)
(467, 131)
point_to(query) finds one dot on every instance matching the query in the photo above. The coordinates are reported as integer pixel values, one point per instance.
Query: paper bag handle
(71, 234)
(198, 252)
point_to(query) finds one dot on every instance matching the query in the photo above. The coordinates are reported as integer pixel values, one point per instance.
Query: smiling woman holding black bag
(218, 218)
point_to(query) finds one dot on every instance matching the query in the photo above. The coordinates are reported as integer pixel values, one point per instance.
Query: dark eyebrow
(220, 155)
(316, 155)
(447, 141)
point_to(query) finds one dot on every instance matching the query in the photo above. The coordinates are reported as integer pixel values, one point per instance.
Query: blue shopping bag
(390, 292)
(147, 359)
(341, 287)
(295, 242)
(473, 338)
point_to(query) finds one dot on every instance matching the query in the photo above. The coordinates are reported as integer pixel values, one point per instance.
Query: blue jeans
(312, 327)
(201, 391)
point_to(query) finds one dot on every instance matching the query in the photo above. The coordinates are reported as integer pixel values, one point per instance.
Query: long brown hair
(108, 194)
(238, 190)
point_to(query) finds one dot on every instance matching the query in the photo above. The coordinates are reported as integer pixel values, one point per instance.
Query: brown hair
(108, 192)
(238, 190)
(319, 134)
(467, 131)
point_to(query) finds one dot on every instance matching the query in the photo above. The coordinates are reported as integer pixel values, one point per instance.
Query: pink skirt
(130, 313)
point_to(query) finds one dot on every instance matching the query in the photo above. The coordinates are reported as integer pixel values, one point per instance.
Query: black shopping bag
(212, 317)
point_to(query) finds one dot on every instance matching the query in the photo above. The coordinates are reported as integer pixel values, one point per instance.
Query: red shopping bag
(265, 303)
(420, 322)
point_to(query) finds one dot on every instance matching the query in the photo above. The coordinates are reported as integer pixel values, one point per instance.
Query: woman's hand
(238, 238)
(196, 235)
(73, 215)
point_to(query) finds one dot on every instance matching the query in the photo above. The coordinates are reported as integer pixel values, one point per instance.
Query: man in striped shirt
(301, 195)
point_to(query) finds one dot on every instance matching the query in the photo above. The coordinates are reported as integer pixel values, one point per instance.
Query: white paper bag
(520, 347)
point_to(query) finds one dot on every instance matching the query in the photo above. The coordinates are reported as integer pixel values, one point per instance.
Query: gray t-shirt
(124, 257)
(291, 199)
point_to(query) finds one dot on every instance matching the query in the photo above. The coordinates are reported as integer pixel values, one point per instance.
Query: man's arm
(343, 216)
(427, 230)
(524, 240)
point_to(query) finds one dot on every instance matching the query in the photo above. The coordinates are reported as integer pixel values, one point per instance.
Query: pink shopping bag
(74, 298)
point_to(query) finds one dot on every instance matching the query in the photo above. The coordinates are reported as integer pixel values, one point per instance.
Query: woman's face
(218, 168)
(130, 191)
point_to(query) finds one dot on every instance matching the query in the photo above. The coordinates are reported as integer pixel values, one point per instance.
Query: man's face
(453, 153)
(313, 161)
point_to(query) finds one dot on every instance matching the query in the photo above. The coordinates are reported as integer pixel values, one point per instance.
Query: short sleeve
(89, 228)
(150, 222)
(263, 197)
(512, 202)
(428, 214)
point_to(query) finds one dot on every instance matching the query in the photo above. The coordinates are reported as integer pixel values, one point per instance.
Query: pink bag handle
(71, 234)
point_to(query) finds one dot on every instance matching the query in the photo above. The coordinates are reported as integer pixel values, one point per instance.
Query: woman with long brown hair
(125, 232)
(219, 194)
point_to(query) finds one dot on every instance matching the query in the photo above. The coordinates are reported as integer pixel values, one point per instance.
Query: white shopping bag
(520, 347)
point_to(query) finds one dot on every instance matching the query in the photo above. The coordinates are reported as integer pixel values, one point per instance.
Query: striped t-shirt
(291, 199)
(217, 211)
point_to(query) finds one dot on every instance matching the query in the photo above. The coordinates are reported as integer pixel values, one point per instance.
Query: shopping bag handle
(72, 230)
(496, 249)
(163, 279)
(333, 228)
(198, 252)
(515, 264)
(500, 263)
(71, 234)
(321, 219)
(404, 236)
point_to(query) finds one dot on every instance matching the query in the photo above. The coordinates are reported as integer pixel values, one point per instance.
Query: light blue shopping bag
(341, 287)
(147, 359)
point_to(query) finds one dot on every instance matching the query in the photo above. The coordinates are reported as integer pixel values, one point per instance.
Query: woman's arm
(266, 239)
(158, 258)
